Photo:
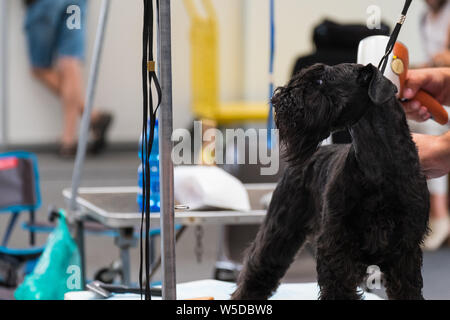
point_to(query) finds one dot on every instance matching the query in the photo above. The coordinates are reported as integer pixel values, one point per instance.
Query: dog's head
(322, 99)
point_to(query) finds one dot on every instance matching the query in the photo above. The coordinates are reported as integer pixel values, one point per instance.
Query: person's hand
(434, 154)
(435, 81)
(415, 111)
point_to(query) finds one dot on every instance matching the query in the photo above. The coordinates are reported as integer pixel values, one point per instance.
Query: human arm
(434, 154)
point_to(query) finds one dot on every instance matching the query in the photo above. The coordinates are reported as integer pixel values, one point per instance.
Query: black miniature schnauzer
(361, 204)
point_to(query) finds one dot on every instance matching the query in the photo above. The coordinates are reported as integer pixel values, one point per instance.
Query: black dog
(362, 204)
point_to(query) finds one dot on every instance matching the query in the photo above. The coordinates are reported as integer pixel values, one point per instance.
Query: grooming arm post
(85, 121)
(165, 150)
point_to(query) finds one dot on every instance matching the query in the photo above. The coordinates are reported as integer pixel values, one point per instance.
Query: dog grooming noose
(396, 54)
(394, 36)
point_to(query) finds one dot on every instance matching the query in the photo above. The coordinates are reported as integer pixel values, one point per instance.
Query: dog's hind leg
(403, 275)
(279, 238)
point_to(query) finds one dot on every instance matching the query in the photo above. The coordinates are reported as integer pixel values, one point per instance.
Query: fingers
(413, 83)
(415, 111)
(410, 92)
(424, 114)
(413, 108)
(431, 80)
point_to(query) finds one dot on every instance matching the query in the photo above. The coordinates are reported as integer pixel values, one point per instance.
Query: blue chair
(19, 192)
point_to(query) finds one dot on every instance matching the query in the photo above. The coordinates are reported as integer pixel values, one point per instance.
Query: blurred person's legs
(48, 77)
(56, 54)
(71, 93)
(439, 217)
(439, 214)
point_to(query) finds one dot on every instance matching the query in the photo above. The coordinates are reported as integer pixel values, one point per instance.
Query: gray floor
(120, 169)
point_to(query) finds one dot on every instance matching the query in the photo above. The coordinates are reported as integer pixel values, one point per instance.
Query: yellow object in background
(204, 71)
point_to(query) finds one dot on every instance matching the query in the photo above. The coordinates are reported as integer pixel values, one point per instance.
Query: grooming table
(221, 290)
(116, 208)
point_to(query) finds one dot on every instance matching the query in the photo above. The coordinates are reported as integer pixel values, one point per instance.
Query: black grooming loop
(394, 36)
(149, 113)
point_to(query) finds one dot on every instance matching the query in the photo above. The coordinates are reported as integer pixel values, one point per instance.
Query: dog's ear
(380, 89)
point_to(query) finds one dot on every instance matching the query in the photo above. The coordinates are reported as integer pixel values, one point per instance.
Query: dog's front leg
(403, 275)
(269, 256)
(339, 270)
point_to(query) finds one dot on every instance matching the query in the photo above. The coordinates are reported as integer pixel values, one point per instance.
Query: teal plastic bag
(58, 269)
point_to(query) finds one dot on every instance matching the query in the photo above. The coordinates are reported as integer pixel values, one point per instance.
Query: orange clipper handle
(438, 112)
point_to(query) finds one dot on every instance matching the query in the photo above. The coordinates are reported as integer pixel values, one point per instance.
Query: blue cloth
(48, 34)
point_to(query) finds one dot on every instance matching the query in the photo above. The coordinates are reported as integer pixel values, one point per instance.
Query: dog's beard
(300, 147)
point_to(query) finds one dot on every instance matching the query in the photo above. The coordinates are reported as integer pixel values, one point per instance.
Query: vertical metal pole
(165, 150)
(85, 121)
(4, 73)
(126, 271)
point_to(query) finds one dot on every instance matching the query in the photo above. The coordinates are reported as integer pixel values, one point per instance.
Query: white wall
(295, 20)
(35, 115)
(3, 66)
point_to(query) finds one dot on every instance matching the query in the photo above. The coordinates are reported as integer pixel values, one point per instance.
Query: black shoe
(99, 128)
(68, 151)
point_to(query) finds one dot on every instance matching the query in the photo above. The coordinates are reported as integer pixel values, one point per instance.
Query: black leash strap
(394, 36)
(149, 113)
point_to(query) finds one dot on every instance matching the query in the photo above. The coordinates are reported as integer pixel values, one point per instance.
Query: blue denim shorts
(51, 31)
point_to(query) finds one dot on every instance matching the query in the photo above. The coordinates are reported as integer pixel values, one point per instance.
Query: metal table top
(116, 207)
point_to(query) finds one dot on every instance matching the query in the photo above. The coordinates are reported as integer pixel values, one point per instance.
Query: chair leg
(9, 229)
(32, 235)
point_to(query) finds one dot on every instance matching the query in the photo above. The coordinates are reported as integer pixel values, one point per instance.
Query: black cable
(147, 160)
(149, 114)
(143, 137)
(393, 38)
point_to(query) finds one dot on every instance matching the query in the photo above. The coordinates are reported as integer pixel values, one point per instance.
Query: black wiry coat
(361, 204)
